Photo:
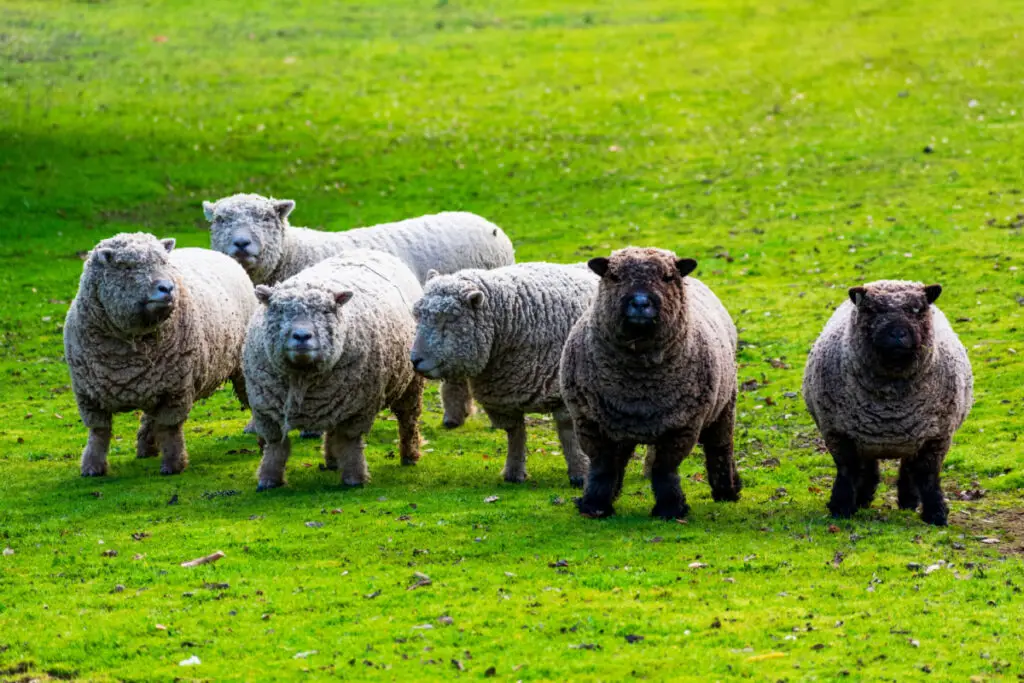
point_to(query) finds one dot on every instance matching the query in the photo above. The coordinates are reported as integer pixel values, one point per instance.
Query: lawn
(794, 148)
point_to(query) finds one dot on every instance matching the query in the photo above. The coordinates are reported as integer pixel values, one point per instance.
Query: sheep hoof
(841, 512)
(94, 472)
(591, 511)
(726, 496)
(332, 466)
(355, 482)
(310, 434)
(407, 462)
(267, 485)
(452, 423)
(176, 468)
(515, 477)
(670, 511)
(935, 518)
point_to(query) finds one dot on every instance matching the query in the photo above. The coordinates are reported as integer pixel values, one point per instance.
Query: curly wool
(364, 342)
(670, 387)
(844, 394)
(445, 242)
(164, 369)
(503, 330)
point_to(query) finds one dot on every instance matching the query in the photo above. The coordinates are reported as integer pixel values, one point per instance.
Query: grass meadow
(794, 148)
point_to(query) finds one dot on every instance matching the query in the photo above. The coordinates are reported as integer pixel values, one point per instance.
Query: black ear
(685, 266)
(342, 298)
(931, 292)
(598, 264)
(104, 255)
(857, 295)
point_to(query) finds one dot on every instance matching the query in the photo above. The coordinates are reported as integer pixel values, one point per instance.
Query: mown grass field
(794, 148)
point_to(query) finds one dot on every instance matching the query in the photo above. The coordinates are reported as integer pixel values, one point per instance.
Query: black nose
(641, 301)
(164, 286)
(899, 334)
(416, 362)
(301, 335)
(241, 242)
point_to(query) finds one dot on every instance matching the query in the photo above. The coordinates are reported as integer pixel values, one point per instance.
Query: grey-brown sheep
(889, 378)
(155, 329)
(328, 350)
(652, 361)
(503, 330)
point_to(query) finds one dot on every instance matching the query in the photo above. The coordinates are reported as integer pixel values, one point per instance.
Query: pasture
(793, 148)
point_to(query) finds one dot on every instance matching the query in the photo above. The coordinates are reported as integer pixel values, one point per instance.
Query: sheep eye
(669, 277)
(915, 311)
(612, 276)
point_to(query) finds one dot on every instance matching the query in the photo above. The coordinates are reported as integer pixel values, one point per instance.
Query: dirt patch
(1005, 525)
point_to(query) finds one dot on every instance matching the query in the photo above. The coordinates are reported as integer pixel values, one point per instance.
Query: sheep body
(870, 405)
(503, 330)
(126, 352)
(357, 311)
(255, 231)
(652, 361)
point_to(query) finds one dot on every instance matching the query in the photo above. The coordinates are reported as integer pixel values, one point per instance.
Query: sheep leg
(925, 469)
(867, 483)
(238, 384)
(716, 439)
(346, 446)
(275, 457)
(457, 400)
(670, 450)
(907, 496)
(515, 458)
(145, 438)
(408, 409)
(608, 460)
(94, 457)
(575, 459)
(843, 502)
(171, 441)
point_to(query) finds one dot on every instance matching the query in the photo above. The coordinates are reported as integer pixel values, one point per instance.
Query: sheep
(155, 329)
(503, 330)
(889, 379)
(328, 350)
(254, 230)
(652, 361)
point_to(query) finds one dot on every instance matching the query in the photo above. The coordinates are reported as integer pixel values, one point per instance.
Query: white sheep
(328, 350)
(156, 329)
(503, 330)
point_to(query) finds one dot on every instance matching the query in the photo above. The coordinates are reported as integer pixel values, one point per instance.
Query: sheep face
(134, 281)
(451, 335)
(641, 298)
(304, 327)
(893, 324)
(250, 229)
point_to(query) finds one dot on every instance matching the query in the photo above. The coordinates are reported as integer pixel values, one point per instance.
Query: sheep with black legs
(254, 230)
(889, 379)
(652, 361)
(328, 350)
(503, 330)
(153, 328)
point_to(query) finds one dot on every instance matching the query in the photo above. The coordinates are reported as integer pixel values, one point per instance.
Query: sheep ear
(342, 298)
(208, 210)
(263, 293)
(685, 266)
(475, 298)
(104, 255)
(931, 292)
(431, 274)
(283, 207)
(857, 295)
(598, 264)
(168, 244)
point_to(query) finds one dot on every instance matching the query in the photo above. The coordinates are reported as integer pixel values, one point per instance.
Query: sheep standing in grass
(254, 230)
(889, 378)
(652, 361)
(155, 329)
(503, 330)
(328, 351)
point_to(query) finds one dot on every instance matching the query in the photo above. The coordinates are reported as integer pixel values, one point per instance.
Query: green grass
(779, 143)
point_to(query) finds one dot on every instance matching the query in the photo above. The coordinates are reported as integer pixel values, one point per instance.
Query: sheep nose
(416, 361)
(301, 335)
(640, 301)
(241, 242)
(164, 286)
(899, 333)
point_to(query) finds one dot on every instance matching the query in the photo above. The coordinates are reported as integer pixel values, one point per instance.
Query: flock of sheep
(623, 350)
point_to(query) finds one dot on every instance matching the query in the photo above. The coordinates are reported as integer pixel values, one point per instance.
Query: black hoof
(727, 496)
(670, 511)
(452, 424)
(592, 511)
(577, 482)
(935, 518)
(310, 434)
(267, 486)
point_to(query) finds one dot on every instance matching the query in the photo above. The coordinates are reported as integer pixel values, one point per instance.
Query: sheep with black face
(153, 328)
(652, 361)
(889, 379)
(328, 350)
